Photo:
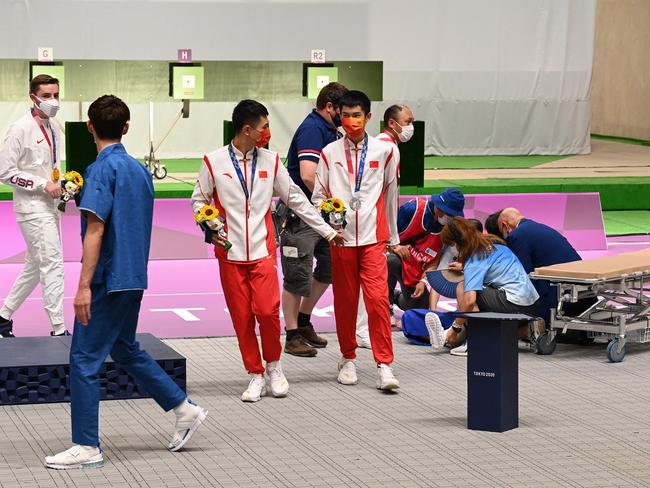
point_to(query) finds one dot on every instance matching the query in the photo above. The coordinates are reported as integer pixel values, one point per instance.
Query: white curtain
(487, 76)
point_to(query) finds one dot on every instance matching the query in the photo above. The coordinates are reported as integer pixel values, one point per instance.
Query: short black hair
(354, 98)
(247, 112)
(391, 113)
(39, 80)
(492, 223)
(332, 92)
(108, 115)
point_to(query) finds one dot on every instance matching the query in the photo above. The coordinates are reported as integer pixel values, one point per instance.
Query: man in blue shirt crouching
(117, 209)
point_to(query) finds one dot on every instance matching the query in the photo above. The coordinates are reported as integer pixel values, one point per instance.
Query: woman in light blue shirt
(494, 279)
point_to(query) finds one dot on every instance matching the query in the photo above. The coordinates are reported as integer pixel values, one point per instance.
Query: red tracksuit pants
(252, 292)
(363, 266)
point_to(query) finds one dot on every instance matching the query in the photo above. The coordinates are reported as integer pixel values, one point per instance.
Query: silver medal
(354, 203)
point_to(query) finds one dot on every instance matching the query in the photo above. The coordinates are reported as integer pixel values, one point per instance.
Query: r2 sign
(318, 56)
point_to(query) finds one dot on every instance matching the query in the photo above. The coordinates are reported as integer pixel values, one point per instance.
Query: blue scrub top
(502, 270)
(119, 190)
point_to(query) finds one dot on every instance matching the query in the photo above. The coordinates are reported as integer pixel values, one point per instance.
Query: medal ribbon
(362, 164)
(51, 143)
(240, 175)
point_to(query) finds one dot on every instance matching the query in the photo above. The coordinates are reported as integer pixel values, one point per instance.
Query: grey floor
(584, 422)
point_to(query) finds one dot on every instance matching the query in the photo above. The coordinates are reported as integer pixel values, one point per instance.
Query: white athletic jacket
(385, 137)
(26, 165)
(376, 220)
(252, 237)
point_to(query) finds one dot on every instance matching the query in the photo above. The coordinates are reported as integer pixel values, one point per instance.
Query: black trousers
(404, 300)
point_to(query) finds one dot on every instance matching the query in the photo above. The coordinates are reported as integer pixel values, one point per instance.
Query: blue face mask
(336, 120)
(444, 220)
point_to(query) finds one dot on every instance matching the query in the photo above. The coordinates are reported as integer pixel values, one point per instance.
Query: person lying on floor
(494, 279)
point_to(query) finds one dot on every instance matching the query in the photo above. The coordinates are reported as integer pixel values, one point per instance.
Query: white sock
(184, 409)
(90, 449)
(6, 314)
(58, 328)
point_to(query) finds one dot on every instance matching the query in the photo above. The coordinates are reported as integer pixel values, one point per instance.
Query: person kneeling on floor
(494, 279)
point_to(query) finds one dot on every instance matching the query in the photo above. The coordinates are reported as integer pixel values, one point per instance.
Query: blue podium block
(36, 370)
(493, 370)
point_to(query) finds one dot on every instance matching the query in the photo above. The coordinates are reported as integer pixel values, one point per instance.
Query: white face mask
(48, 107)
(407, 133)
(444, 220)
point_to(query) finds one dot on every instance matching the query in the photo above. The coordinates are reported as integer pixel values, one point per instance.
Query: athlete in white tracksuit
(27, 162)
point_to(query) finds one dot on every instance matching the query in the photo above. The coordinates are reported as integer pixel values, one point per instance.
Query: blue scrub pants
(111, 329)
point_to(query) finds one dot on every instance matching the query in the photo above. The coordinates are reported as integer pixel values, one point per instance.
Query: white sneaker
(279, 383)
(395, 322)
(437, 335)
(385, 378)
(460, 350)
(189, 416)
(256, 389)
(77, 457)
(347, 372)
(364, 341)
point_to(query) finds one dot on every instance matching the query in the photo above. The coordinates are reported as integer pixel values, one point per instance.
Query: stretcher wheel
(614, 353)
(160, 172)
(545, 344)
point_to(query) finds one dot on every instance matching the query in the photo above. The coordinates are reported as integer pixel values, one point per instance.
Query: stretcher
(621, 286)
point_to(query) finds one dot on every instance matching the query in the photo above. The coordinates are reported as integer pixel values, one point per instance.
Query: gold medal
(56, 175)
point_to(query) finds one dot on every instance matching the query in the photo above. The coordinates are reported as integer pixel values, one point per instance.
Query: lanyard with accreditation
(51, 143)
(240, 175)
(355, 201)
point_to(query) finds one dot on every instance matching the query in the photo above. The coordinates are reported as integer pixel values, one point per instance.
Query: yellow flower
(326, 206)
(338, 205)
(208, 212)
(75, 177)
(56, 175)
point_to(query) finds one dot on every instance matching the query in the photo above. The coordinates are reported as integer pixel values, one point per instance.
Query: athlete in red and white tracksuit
(248, 270)
(29, 155)
(362, 314)
(361, 261)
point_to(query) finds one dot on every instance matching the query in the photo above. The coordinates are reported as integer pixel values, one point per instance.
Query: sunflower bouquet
(72, 183)
(333, 211)
(209, 219)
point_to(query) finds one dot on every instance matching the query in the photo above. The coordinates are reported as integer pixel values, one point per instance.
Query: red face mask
(265, 137)
(353, 126)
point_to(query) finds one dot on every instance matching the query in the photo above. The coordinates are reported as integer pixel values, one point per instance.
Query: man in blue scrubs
(117, 209)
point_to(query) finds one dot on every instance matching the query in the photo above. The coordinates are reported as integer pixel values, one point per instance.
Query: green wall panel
(225, 81)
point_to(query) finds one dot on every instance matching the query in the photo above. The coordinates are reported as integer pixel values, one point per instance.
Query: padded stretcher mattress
(600, 268)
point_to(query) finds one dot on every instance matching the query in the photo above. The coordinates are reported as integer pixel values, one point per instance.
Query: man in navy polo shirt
(300, 244)
(117, 210)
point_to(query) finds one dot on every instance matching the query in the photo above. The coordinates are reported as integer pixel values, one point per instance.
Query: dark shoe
(311, 337)
(6, 330)
(298, 347)
(64, 333)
